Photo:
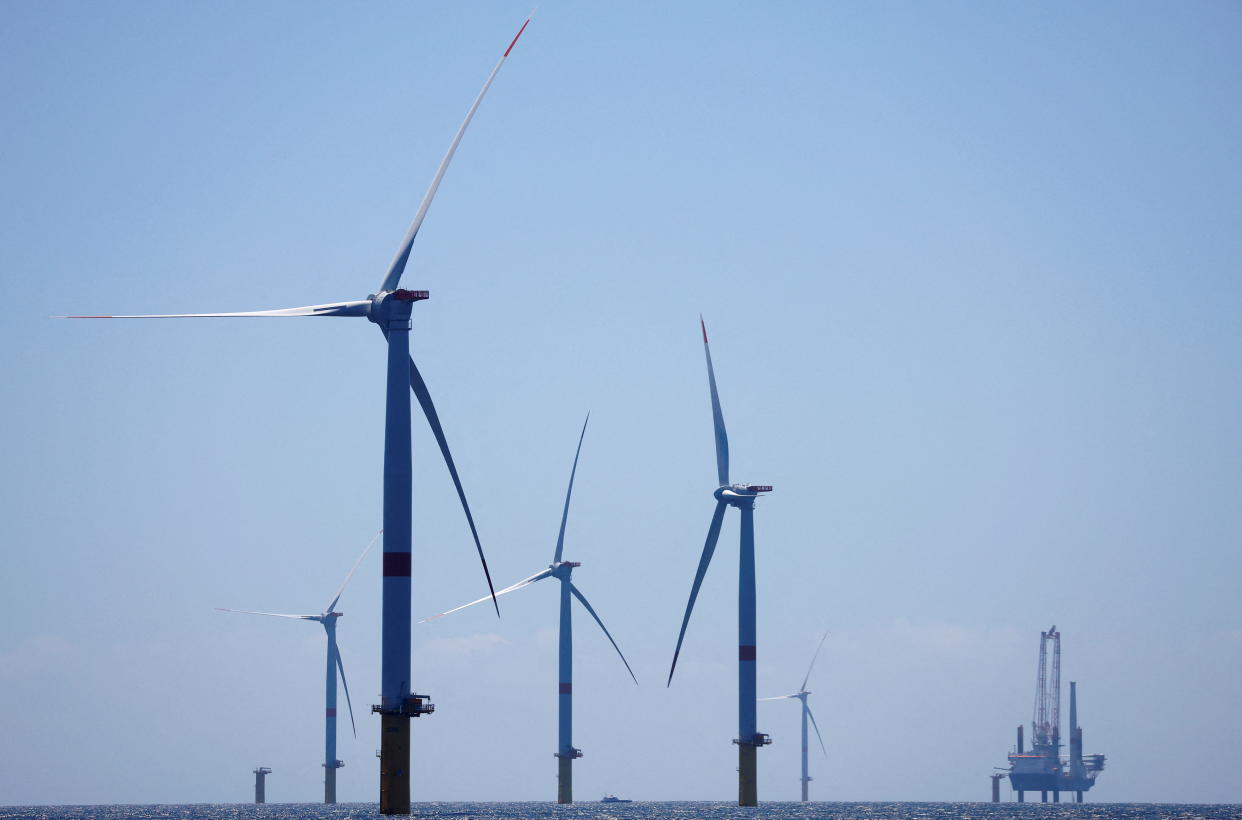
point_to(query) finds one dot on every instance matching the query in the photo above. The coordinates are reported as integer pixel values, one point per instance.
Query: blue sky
(971, 272)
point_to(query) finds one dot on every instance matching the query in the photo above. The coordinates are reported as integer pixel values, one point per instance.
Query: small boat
(612, 798)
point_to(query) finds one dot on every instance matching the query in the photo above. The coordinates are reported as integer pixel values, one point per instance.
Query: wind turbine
(390, 308)
(806, 713)
(327, 619)
(561, 570)
(741, 496)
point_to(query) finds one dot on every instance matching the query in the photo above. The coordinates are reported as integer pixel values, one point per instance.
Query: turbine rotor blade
(270, 614)
(393, 278)
(341, 667)
(811, 715)
(352, 570)
(433, 419)
(780, 697)
(560, 536)
(357, 308)
(709, 547)
(813, 657)
(722, 437)
(538, 576)
(582, 599)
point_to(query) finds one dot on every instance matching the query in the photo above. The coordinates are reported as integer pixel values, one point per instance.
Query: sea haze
(646, 811)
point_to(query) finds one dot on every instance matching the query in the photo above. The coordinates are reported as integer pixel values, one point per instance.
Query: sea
(638, 811)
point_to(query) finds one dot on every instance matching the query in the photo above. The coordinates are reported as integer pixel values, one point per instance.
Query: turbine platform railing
(412, 706)
(758, 739)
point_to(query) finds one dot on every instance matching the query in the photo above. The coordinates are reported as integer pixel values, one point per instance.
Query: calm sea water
(639, 811)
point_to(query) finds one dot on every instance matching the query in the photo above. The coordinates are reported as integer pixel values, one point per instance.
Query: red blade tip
(516, 36)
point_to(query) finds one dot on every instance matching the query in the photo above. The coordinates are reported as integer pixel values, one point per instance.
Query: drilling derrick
(1041, 768)
(1046, 727)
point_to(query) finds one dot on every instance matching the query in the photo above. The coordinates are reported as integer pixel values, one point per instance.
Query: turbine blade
(811, 715)
(780, 697)
(341, 667)
(722, 437)
(709, 547)
(393, 278)
(813, 657)
(358, 308)
(560, 536)
(538, 576)
(272, 614)
(433, 419)
(352, 570)
(582, 599)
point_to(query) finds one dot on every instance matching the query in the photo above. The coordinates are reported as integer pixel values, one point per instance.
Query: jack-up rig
(1042, 769)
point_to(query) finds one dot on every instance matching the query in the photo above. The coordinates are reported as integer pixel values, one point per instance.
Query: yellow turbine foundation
(394, 764)
(564, 780)
(747, 776)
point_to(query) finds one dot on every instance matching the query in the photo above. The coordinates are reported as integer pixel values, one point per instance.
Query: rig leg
(1056, 795)
(395, 764)
(1021, 797)
(1078, 796)
(1043, 796)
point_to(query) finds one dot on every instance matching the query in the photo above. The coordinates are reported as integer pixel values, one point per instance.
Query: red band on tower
(397, 565)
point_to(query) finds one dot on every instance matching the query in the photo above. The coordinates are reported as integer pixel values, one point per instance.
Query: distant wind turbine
(806, 713)
(561, 570)
(390, 308)
(328, 619)
(741, 496)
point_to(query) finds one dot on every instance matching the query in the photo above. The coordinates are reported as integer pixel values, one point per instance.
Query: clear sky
(972, 273)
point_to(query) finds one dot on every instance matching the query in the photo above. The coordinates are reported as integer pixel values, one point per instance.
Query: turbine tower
(561, 570)
(806, 713)
(327, 619)
(741, 496)
(390, 308)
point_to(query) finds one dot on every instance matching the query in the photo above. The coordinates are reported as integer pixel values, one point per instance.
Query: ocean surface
(637, 811)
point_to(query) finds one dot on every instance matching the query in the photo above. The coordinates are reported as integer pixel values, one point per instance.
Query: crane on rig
(1042, 769)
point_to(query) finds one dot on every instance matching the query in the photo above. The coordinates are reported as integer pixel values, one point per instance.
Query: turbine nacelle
(740, 494)
(563, 569)
(393, 305)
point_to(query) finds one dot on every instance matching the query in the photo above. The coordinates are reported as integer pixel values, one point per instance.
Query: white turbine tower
(328, 619)
(801, 695)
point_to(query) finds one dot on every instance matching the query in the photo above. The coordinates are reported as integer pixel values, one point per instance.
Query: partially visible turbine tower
(328, 619)
(260, 784)
(806, 713)
(561, 570)
(741, 496)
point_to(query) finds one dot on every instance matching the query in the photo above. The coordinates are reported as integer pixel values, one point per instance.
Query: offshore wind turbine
(741, 496)
(806, 713)
(561, 570)
(327, 619)
(390, 308)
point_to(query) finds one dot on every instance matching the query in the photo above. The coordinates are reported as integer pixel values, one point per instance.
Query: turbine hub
(563, 569)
